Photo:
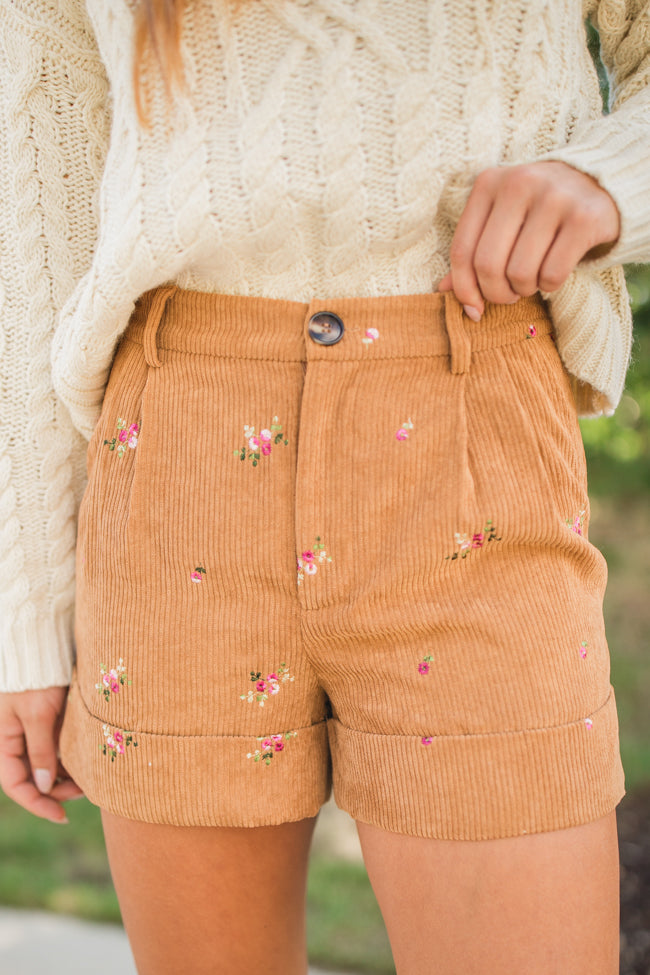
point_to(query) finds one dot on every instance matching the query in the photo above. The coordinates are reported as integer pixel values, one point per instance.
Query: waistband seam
(339, 358)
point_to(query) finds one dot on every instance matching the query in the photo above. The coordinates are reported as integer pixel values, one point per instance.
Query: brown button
(325, 327)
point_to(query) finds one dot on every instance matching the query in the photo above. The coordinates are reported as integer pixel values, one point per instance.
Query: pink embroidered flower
(370, 336)
(197, 575)
(589, 723)
(111, 680)
(125, 437)
(307, 561)
(424, 665)
(403, 432)
(427, 741)
(583, 649)
(115, 742)
(260, 445)
(532, 332)
(578, 522)
(266, 686)
(270, 747)
(465, 543)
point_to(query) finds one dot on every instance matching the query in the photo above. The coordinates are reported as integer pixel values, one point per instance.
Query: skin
(523, 229)
(541, 904)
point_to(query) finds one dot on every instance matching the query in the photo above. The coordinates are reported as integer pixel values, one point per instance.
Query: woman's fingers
(525, 228)
(466, 238)
(31, 772)
(531, 249)
(17, 782)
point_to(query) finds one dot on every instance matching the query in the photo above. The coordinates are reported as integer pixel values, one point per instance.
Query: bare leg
(544, 904)
(212, 900)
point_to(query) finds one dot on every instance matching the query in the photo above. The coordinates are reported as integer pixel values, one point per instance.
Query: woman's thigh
(542, 904)
(211, 900)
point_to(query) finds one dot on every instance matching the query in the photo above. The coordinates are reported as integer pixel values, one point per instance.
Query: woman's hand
(524, 228)
(30, 722)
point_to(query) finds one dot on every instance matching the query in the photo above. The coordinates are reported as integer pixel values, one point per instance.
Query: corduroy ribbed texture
(375, 551)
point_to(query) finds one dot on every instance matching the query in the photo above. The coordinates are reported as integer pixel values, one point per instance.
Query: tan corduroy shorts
(345, 546)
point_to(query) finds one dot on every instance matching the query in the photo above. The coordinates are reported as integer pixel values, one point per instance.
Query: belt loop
(158, 303)
(460, 344)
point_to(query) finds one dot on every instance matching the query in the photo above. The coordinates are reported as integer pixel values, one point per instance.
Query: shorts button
(325, 327)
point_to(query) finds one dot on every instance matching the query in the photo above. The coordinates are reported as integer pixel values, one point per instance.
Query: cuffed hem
(482, 786)
(195, 780)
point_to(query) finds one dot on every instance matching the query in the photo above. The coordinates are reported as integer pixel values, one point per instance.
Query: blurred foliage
(618, 447)
(593, 43)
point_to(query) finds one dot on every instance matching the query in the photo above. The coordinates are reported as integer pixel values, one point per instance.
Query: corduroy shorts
(363, 564)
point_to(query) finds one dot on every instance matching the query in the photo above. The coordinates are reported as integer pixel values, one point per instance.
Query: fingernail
(43, 779)
(64, 820)
(472, 313)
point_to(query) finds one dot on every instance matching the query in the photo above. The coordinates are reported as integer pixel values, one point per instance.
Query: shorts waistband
(393, 326)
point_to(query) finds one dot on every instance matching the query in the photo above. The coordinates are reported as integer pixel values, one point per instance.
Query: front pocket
(113, 456)
(524, 444)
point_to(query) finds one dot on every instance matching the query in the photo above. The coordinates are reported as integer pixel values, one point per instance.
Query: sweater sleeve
(614, 148)
(54, 130)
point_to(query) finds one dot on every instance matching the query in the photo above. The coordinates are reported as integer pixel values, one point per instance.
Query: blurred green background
(65, 869)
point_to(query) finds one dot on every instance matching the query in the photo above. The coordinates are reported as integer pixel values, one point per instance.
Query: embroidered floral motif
(466, 543)
(426, 741)
(260, 444)
(423, 666)
(197, 575)
(577, 523)
(112, 679)
(370, 336)
(403, 432)
(532, 332)
(127, 437)
(309, 560)
(264, 686)
(583, 649)
(589, 723)
(116, 742)
(271, 745)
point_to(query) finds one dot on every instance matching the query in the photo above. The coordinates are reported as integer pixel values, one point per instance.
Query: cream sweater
(325, 148)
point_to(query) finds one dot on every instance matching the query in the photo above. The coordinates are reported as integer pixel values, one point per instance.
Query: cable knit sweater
(323, 148)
